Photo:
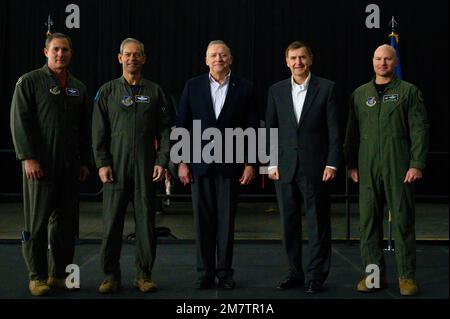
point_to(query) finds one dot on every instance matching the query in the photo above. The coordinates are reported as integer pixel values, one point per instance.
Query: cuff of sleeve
(161, 163)
(417, 164)
(25, 156)
(102, 163)
(332, 167)
(352, 164)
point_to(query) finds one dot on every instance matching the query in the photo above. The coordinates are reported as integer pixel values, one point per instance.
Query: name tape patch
(390, 98)
(72, 92)
(142, 99)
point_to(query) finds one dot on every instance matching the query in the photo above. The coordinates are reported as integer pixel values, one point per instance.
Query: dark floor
(259, 259)
(259, 265)
(254, 221)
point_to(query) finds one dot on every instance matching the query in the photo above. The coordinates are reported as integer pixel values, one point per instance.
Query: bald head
(384, 63)
(385, 49)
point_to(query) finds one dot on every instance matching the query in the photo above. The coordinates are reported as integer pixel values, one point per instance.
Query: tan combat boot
(362, 286)
(145, 285)
(39, 287)
(109, 286)
(59, 283)
(408, 287)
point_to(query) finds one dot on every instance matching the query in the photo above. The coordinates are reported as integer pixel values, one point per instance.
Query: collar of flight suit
(46, 69)
(387, 107)
(142, 81)
(393, 84)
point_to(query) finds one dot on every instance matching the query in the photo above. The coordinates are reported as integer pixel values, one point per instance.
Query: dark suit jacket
(315, 141)
(238, 111)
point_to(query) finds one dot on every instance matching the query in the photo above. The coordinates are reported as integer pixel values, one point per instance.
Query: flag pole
(390, 246)
(49, 24)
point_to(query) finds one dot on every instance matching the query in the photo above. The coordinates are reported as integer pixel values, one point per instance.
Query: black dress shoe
(313, 287)
(204, 283)
(291, 282)
(226, 283)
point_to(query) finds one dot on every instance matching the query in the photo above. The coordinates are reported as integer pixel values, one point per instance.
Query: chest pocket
(145, 105)
(146, 109)
(393, 103)
(53, 94)
(368, 109)
(368, 113)
(63, 106)
(73, 102)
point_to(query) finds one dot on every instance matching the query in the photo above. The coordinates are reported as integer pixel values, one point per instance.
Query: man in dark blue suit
(218, 100)
(303, 108)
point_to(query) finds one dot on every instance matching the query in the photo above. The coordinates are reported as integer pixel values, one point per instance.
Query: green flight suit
(124, 128)
(50, 124)
(387, 135)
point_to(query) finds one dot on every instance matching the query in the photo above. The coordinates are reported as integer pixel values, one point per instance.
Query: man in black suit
(218, 100)
(304, 110)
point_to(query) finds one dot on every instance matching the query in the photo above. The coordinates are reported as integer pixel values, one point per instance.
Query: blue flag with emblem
(394, 44)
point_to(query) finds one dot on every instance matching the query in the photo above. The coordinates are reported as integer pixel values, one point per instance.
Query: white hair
(218, 42)
(132, 40)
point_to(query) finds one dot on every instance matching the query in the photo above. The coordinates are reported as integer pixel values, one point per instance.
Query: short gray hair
(221, 42)
(132, 40)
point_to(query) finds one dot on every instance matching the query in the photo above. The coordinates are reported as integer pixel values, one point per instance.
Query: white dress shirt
(299, 95)
(218, 93)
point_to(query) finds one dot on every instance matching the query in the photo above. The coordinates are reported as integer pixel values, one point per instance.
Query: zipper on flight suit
(380, 97)
(62, 98)
(380, 156)
(134, 93)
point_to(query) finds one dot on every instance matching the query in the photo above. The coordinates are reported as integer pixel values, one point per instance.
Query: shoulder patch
(19, 81)
(97, 96)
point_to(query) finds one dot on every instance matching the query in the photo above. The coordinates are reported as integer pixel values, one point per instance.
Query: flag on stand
(394, 44)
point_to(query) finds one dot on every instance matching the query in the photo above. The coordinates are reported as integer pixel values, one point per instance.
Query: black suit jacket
(238, 111)
(314, 142)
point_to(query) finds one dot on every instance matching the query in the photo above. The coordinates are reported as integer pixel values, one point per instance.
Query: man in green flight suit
(50, 126)
(386, 149)
(130, 114)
